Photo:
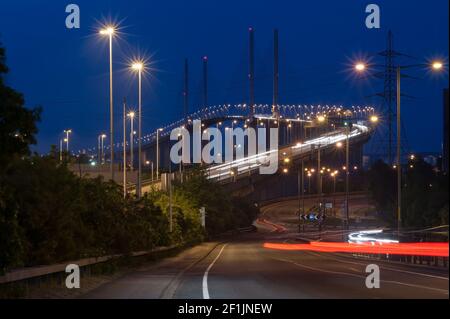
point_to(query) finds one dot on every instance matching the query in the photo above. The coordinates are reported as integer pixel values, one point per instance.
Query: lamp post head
(137, 66)
(437, 65)
(321, 118)
(360, 67)
(107, 31)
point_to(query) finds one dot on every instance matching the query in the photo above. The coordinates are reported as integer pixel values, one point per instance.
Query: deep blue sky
(66, 71)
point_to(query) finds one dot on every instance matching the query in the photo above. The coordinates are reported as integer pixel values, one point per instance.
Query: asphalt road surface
(243, 268)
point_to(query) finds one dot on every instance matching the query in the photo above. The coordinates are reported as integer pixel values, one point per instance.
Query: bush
(49, 215)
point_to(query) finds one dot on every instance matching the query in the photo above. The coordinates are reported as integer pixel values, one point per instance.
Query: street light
(109, 32)
(333, 175)
(60, 149)
(374, 119)
(101, 137)
(131, 116)
(157, 152)
(360, 67)
(138, 66)
(67, 132)
(124, 149)
(436, 66)
(321, 118)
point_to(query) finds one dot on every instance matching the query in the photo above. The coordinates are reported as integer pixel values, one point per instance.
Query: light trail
(367, 236)
(410, 249)
(246, 164)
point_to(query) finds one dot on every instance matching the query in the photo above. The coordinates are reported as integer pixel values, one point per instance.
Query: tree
(17, 132)
(382, 187)
(424, 193)
(17, 123)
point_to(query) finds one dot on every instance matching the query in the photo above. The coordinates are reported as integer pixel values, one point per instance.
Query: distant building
(445, 146)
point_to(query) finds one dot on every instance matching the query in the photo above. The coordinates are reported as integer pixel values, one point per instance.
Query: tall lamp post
(435, 66)
(301, 191)
(101, 137)
(131, 116)
(60, 149)
(109, 31)
(138, 67)
(67, 132)
(124, 149)
(157, 152)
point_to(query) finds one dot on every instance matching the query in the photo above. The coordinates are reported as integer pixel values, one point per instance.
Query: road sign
(312, 217)
(203, 216)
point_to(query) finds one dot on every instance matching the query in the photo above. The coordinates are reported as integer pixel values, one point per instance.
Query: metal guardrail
(430, 261)
(39, 271)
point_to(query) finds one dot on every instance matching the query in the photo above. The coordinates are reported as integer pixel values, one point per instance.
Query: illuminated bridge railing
(240, 112)
(247, 165)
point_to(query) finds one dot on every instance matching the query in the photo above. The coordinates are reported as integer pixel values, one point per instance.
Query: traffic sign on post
(203, 216)
(312, 217)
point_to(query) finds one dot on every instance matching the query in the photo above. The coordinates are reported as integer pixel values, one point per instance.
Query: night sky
(66, 71)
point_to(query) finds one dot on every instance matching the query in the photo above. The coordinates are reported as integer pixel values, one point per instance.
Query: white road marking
(205, 276)
(359, 276)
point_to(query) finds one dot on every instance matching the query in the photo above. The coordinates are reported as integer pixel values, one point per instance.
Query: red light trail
(413, 249)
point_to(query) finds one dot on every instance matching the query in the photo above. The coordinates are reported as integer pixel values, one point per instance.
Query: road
(286, 211)
(243, 268)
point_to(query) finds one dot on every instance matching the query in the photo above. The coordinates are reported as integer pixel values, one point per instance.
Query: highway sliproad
(244, 268)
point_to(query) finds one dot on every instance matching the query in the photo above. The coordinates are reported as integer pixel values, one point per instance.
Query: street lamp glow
(321, 118)
(131, 114)
(360, 67)
(437, 65)
(339, 144)
(137, 66)
(374, 119)
(107, 31)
